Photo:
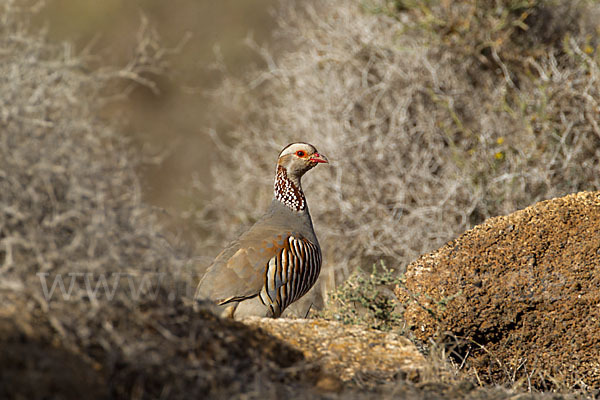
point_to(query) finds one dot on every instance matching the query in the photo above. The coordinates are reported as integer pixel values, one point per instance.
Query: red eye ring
(300, 153)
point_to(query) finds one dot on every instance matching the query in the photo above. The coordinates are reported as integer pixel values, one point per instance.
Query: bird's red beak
(319, 158)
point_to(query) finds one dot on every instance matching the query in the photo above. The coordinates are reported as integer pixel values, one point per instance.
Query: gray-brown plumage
(278, 259)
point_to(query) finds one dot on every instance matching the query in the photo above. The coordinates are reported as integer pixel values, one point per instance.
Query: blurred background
(436, 115)
(171, 123)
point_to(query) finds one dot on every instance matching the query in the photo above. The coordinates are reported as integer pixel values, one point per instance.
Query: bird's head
(293, 162)
(297, 158)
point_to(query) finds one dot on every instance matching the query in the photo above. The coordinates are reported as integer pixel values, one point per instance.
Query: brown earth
(182, 354)
(147, 352)
(521, 293)
(173, 352)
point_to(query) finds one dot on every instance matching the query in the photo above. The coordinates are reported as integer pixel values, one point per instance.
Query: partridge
(278, 259)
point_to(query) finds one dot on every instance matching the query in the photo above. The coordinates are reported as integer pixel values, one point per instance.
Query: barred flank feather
(290, 274)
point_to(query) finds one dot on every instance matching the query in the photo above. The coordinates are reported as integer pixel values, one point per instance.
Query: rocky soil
(186, 355)
(151, 352)
(352, 354)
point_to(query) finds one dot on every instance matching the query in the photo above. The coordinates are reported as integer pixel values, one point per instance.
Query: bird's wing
(239, 270)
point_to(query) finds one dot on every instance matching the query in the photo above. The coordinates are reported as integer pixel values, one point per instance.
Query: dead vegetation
(92, 296)
(436, 116)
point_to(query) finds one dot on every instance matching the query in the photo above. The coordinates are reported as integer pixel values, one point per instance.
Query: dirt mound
(152, 351)
(522, 290)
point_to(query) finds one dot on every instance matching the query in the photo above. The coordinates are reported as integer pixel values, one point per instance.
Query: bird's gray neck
(288, 190)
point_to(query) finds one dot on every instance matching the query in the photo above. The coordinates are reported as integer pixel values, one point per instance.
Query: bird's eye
(300, 153)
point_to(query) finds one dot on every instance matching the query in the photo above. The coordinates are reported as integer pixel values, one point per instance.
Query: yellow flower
(500, 140)
(588, 49)
(499, 155)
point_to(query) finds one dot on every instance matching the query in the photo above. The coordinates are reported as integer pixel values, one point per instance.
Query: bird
(277, 260)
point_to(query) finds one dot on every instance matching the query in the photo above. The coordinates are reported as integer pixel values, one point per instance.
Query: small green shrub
(366, 299)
